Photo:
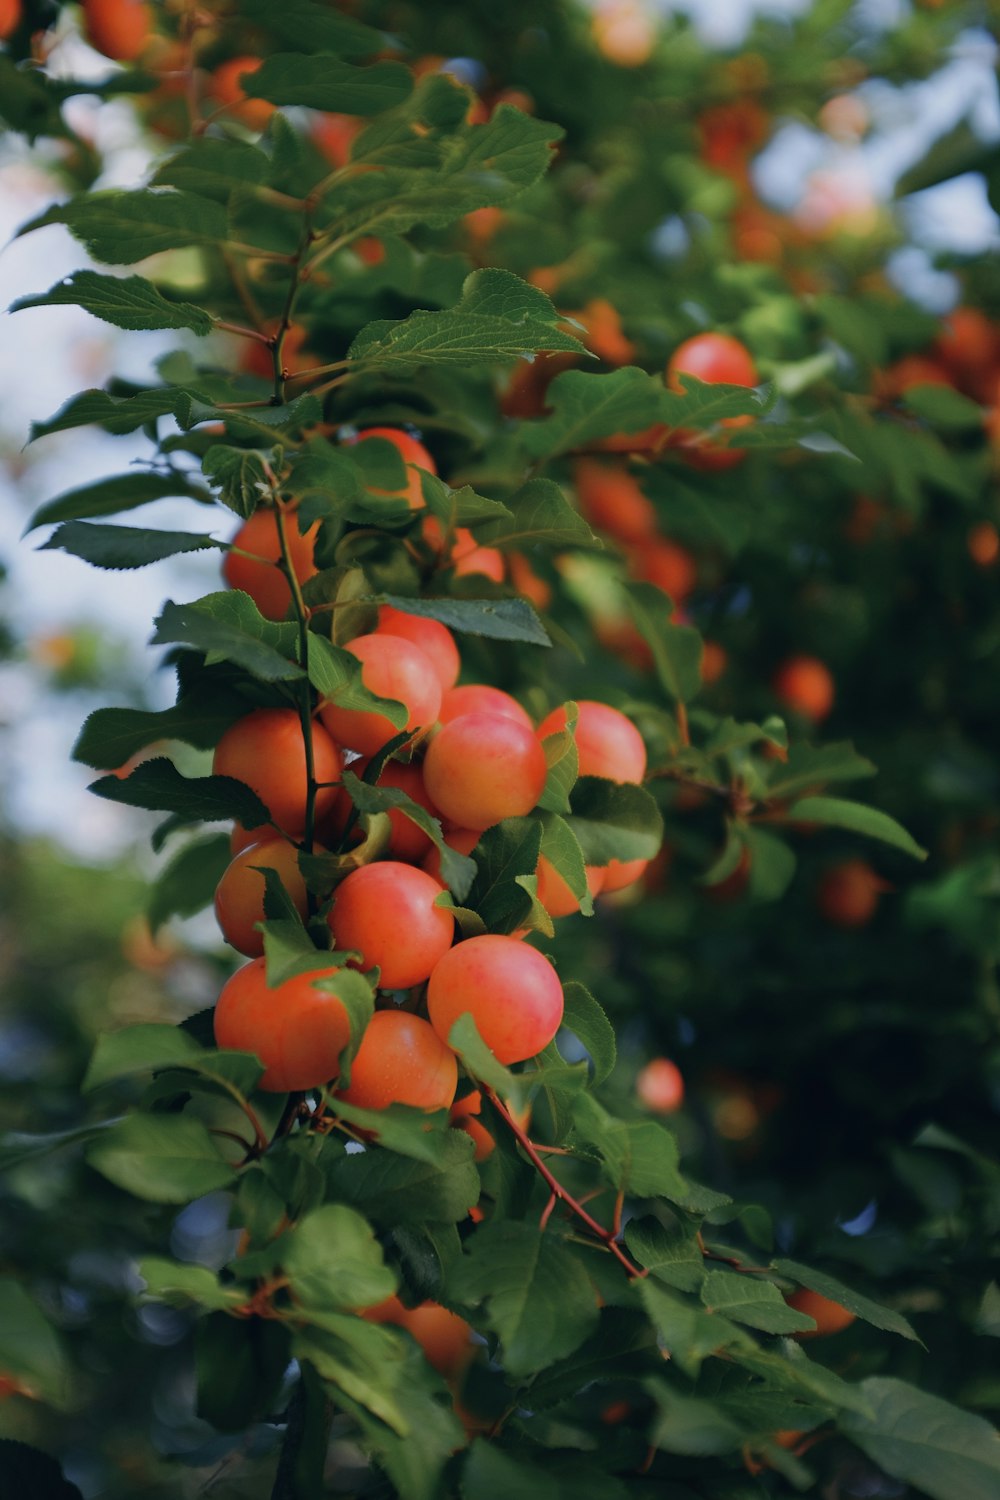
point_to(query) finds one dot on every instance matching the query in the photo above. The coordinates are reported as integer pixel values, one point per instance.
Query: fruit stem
(606, 1236)
(305, 696)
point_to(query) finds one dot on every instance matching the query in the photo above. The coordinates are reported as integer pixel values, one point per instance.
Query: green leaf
(614, 820)
(856, 818)
(535, 1293)
(496, 619)
(677, 649)
(187, 884)
(481, 1064)
(793, 1371)
(425, 1433)
(229, 626)
(159, 786)
(327, 82)
(637, 1155)
(137, 1049)
(394, 1190)
(122, 546)
(941, 1450)
(499, 316)
(541, 516)
(336, 676)
(18, 1147)
(108, 497)
(492, 1474)
(772, 864)
(589, 1024)
(239, 474)
(116, 414)
(30, 1349)
(333, 1260)
(310, 27)
(433, 168)
(811, 766)
(691, 1425)
(747, 1299)
(585, 407)
(111, 736)
(623, 1346)
(213, 168)
(704, 403)
(120, 227)
(129, 302)
(673, 1256)
(171, 1281)
(240, 1365)
(458, 871)
(504, 854)
(988, 1314)
(862, 1307)
(559, 843)
(944, 407)
(161, 1158)
(461, 507)
(689, 1332)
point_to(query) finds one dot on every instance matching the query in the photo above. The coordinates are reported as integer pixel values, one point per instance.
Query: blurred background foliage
(843, 1075)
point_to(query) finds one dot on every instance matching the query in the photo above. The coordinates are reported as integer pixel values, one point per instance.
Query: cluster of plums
(473, 758)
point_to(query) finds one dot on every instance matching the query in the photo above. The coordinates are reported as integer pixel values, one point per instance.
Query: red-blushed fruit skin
(11, 12)
(830, 1316)
(464, 1115)
(227, 90)
(481, 768)
(333, 135)
(848, 893)
(462, 840)
(267, 752)
(386, 911)
(433, 638)
(805, 684)
(983, 544)
(406, 841)
(554, 893)
(298, 1032)
(612, 500)
(668, 566)
(619, 873)
(608, 744)
(969, 345)
(391, 668)
(401, 1060)
(411, 451)
(442, 1335)
(660, 1086)
(479, 698)
(511, 991)
(714, 660)
(467, 557)
(118, 28)
(264, 581)
(239, 896)
(716, 358)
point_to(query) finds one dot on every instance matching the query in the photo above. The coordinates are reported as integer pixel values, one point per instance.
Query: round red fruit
(483, 767)
(297, 1031)
(511, 991)
(390, 668)
(266, 750)
(386, 912)
(401, 1060)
